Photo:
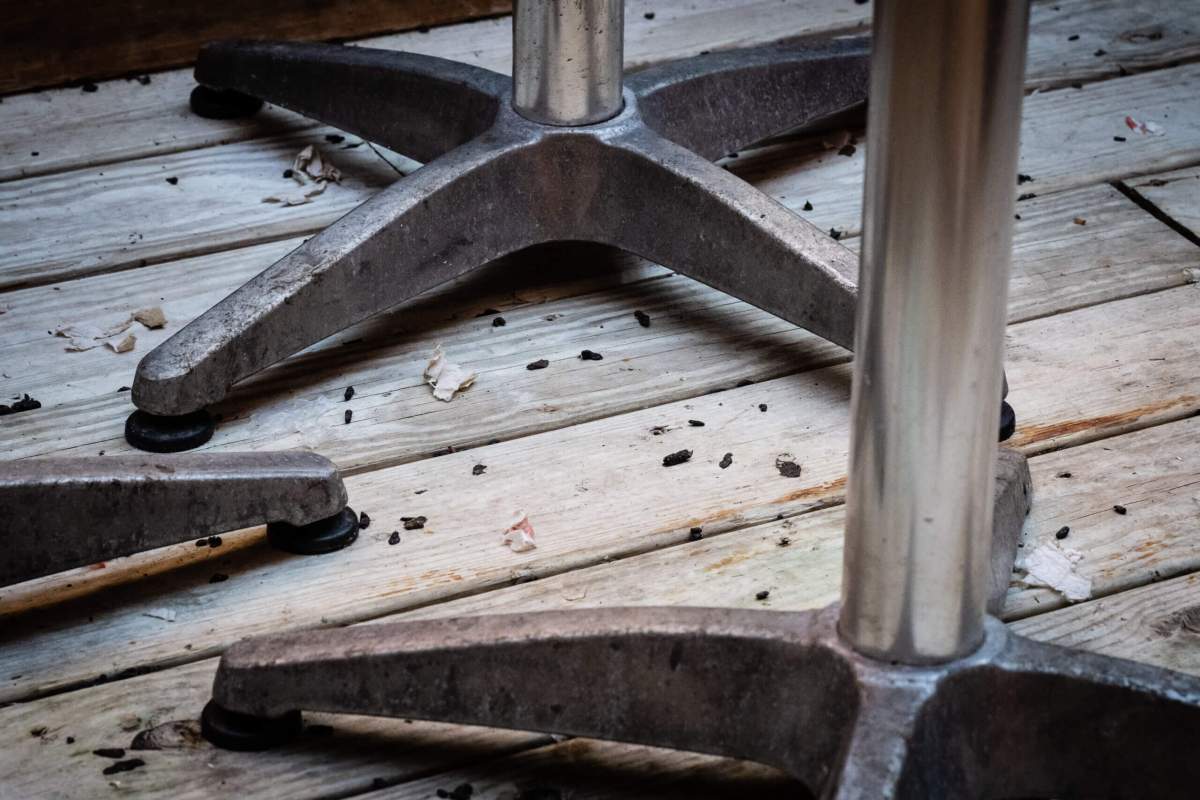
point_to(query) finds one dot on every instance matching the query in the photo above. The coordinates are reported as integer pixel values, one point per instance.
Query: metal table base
(509, 167)
(907, 689)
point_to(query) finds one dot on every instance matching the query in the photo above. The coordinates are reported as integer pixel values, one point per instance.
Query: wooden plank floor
(1103, 354)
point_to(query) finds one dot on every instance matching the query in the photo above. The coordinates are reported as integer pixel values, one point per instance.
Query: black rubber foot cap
(233, 731)
(1008, 421)
(161, 434)
(223, 103)
(323, 536)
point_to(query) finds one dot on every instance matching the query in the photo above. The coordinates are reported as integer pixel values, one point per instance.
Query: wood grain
(69, 129)
(702, 339)
(86, 222)
(129, 215)
(594, 491)
(1149, 624)
(58, 41)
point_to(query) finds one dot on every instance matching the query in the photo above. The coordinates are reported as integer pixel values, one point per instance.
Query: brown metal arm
(749, 246)
(719, 103)
(432, 104)
(778, 688)
(60, 513)
(626, 674)
(413, 236)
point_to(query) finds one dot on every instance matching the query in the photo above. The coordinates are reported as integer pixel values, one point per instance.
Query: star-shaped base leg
(1014, 719)
(495, 182)
(61, 513)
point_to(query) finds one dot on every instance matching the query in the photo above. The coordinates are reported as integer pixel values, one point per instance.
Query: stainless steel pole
(567, 60)
(943, 125)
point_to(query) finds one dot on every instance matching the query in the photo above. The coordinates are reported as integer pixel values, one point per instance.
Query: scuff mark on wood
(1185, 621)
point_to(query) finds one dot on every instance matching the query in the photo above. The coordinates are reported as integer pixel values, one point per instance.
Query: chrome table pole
(943, 125)
(568, 59)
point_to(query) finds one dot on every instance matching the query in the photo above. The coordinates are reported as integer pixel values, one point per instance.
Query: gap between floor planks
(1148, 623)
(1174, 197)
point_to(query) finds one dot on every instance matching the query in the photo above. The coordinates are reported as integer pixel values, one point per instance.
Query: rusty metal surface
(59, 513)
(498, 182)
(1014, 719)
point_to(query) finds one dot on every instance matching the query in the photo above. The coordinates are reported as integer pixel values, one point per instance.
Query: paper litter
(124, 346)
(152, 317)
(519, 536)
(311, 171)
(447, 379)
(88, 337)
(1053, 567)
(1144, 128)
(311, 163)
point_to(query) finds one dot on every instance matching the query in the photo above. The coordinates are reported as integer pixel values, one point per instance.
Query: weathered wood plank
(594, 491)
(1150, 624)
(69, 129)
(1156, 624)
(590, 769)
(1154, 473)
(1069, 138)
(127, 215)
(58, 41)
(1129, 503)
(217, 204)
(700, 337)
(1175, 194)
(1093, 39)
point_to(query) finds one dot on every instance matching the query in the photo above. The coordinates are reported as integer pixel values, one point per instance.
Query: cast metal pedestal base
(774, 687)
(60, 513)
(495, 182)
(1014, 719)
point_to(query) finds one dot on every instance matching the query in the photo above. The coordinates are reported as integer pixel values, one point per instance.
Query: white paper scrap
(447, 379)
(1053, 567)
